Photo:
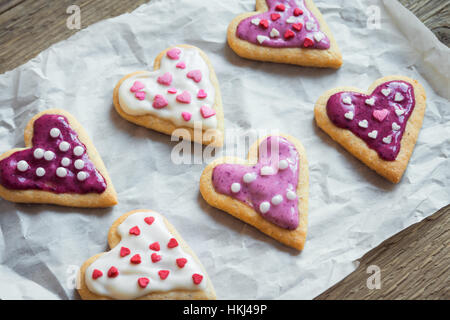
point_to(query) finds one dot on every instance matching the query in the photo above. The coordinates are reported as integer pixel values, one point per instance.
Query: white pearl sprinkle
(264, 207)
(283, 164)
(249, 177)
(78, 151)
(65, 162)
(79, 164)
(61, 172)
(40, 172)
(49, 155)
(82, 175)
(276, 200)
(291, 195)
(235, 187)
(22, 166)
(38, 153)
(64, 146)
(55, 132)
(267, 171)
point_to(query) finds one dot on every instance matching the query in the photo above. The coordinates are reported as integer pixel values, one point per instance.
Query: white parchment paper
(352, 209)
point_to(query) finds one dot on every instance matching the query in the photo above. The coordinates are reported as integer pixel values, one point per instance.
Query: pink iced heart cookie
(59, 165)
(148, 270)
(183, 83)
(286, 31)
(384, 123)
(269, 191)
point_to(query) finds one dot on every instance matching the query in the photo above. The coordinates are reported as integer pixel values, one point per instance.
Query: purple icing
(248, 31)
(264, 188)
(393, 125)
(12, 178)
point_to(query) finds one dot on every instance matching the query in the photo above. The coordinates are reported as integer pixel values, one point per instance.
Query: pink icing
(207, 112)
(265, 187)
(184, 97)
(186, 116)
(195, 75)
(12, 178)
(289, 36)
(159, 102)
(381, 117)
(165, 79)
(174, 53)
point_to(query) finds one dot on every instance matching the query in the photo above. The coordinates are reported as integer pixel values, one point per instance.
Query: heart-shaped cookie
(181, 93)
(379, 127)
(285, 31)
(59, 165)
(269, 191)
(148, 260)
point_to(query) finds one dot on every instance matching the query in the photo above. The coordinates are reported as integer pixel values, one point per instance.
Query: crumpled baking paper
(352, 209)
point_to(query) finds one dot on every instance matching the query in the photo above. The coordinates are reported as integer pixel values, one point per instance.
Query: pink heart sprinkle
(159, 102)
(140, 95)
(172, 90)
(207, 112)
(137, 85)
(195, 75)
(201, 94)
(181, 65)
(165, 79)
(380, 115)
(185, 97)
(174, 53)
(186, 116)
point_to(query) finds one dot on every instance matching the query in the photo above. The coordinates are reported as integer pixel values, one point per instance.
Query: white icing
(264, 207)
(283, 164)
(173, 111)
(349, 115)
(274, 33)
(387, 139)
(363, 124)
(49, 155)
(249, 177)
(373, 134)
(22, 166)
(386, 92)
(276, 200)
(40, 172)
(291, 195)
(55, 132)
(79, 164)
(78, 151)
(65, 162)
(395, 126)
(38, 153)
(267, 171)
(61, 172)
(235, 187)
(64, 146)
(371, 101)
(125, 285)
(347, 100)
(81, 176)
(261, 38)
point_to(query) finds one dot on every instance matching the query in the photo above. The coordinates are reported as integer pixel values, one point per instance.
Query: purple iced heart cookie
(379, 119)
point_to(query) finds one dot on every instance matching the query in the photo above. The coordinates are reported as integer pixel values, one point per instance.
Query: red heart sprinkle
(308, 43)
(124, 251)
(289, 34)
(186, 115)
(297, 12)
(155, 246)
(275, 16)
(264, 23)
(197, 278)
(149, 220)
(113, 272)
(280, 7)
(172, 243)
(135, 230)
(181, 262)
(155, 257)
(136, 259)
(297, 26)
(143, 282)
(163, 274)
(96, 274)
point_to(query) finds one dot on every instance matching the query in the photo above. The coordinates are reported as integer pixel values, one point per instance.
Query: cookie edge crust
(330, 58)
(107, 198)
(391, 170)
(213, 137)
(292, 238)
(114, 239)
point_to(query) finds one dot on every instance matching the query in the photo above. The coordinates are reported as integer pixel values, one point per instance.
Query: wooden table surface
(415, 263)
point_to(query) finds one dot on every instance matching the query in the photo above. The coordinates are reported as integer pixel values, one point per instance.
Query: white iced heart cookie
(148, 260)
(181, 92)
